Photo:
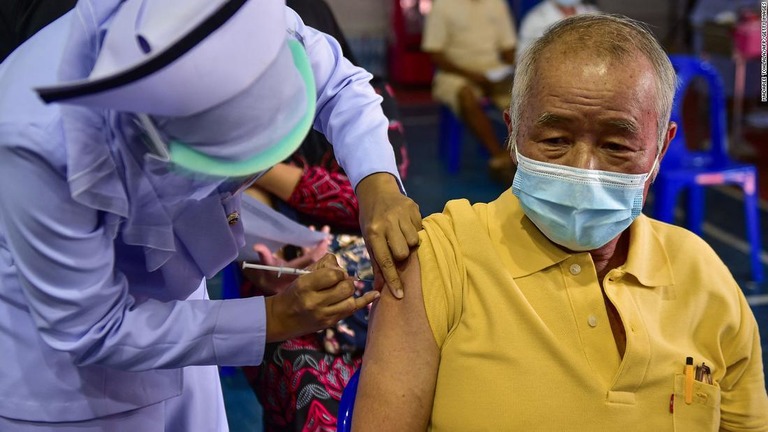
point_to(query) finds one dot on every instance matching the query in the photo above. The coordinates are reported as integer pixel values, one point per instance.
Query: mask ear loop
(653, 167)
(513, 143)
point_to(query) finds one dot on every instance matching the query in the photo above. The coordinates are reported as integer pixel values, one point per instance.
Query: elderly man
(559, 306)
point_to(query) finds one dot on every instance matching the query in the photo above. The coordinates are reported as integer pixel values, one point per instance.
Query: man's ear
(668, 137)
(508, 121)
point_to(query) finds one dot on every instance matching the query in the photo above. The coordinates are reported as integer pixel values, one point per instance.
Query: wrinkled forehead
(560, 67)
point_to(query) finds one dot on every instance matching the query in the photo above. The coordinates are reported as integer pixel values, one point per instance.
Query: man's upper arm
(744, 404)
(401, 361)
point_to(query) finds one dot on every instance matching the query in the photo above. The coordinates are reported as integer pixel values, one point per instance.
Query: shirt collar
(647, 259)
(523, 248)
(526, 250)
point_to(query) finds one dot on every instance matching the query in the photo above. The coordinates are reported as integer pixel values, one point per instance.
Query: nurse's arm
(397, 382)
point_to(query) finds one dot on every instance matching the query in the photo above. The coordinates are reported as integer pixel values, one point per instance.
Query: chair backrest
(688, 68)
(347, 404)
(520, 8)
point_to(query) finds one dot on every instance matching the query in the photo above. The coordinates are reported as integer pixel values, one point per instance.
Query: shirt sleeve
(349, 111)
(435, 35)
(64, 262)
(442, 275)
(744, 403)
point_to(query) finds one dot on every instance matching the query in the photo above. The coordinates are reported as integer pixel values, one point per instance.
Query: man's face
(592, 113)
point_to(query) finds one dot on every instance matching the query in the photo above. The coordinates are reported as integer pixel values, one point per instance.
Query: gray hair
(615, 37)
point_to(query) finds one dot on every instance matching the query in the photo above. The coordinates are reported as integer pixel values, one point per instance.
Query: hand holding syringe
(316, 300)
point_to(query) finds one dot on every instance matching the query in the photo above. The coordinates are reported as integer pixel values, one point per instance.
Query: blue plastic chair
(520, 8)
(230, 281)
(452, 135)
(684, 169)
(347, 404)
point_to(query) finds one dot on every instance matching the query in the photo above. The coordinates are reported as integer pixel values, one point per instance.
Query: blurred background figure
(20, 19)
(727, 34)
(472, 44)
(543, 15)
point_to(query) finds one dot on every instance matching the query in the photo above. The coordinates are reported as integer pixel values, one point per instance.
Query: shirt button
(575, 269)
(592, 321)
(233, 218)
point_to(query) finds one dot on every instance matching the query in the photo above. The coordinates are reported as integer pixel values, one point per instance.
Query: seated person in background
(466, 39)
(543, 15)
(559, 306)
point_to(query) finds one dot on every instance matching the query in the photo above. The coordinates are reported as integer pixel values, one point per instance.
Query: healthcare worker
(128, 130)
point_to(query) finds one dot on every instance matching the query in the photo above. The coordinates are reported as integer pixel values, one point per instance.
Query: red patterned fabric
(299, 385)
(327, 196)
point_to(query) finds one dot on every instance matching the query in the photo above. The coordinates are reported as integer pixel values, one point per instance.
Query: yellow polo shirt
(526, 344)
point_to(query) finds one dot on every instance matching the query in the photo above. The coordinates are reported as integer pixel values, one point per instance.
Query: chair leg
(695, 211)
(454, 145)
(753, 227)
(664, 201)
(230, 281)
(444, 135)
(451, 135)
(230, 289)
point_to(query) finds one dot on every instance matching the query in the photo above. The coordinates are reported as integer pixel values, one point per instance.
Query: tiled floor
(431, 186)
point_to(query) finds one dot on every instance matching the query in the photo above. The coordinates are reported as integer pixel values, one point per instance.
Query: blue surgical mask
(576, 208)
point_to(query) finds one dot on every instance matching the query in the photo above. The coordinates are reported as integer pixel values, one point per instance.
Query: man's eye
(554, 141)
(615, 147)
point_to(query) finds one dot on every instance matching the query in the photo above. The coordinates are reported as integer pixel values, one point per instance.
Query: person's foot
(501, 169)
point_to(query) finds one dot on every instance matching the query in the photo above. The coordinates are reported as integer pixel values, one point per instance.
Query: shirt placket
(590, 316)
(637, 354)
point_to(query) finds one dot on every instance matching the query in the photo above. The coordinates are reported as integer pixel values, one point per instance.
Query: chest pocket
(703, 414)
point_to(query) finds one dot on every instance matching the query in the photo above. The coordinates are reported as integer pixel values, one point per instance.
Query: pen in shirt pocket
(704, 373)
(701, 373)
(689, 376)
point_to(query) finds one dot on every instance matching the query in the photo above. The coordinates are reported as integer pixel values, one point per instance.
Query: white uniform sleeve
(64, 261)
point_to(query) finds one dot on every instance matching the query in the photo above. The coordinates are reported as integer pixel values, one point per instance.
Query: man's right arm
(399, 372)
(743, 404)
(442, 62)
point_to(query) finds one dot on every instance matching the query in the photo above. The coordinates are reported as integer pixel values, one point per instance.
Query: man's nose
(583, 157)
